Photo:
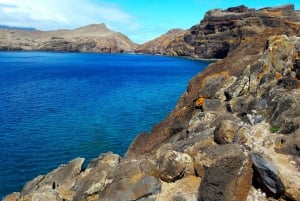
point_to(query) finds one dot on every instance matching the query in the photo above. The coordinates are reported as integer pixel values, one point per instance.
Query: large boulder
(175, 165)
(228, 179)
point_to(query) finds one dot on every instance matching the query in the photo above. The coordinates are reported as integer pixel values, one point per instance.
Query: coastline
(234, 134)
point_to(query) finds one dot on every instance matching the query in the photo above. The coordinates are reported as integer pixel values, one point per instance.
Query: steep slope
(159, 45)
(91, 38)
(233, 136)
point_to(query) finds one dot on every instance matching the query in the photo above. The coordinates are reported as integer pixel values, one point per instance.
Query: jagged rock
(228, 179)
(213, 105)
(225, 132)
(136, 180)
(266, 176)
(212, 84)
(284, 111)
(95, 177)
(174, 165)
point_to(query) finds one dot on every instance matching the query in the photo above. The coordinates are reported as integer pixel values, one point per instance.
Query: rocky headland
(222, 31)
(233, 136)
(91, 38)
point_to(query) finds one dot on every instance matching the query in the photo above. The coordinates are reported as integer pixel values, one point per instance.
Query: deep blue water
(58, 106)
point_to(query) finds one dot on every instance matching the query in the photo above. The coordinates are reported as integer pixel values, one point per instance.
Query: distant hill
(160, 44)
(91, 38)
(17, 28)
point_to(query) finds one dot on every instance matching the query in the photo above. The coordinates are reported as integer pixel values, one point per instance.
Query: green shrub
(274, 129)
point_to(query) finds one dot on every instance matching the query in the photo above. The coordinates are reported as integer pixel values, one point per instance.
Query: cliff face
(221, 31)
(233, 136)
(92, 38)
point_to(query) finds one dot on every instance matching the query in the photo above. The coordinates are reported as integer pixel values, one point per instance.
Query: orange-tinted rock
(199, 102)
(278, 76)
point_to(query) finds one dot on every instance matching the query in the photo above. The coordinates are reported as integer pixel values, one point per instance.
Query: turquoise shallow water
(58, 106)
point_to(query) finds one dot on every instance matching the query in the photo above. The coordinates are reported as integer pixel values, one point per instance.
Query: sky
(140, 20)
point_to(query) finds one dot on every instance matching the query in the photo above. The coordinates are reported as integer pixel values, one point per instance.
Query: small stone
(258, 119)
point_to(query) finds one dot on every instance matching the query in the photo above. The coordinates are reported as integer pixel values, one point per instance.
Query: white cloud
(57, 14)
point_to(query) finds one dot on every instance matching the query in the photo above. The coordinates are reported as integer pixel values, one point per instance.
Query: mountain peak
(16, 28)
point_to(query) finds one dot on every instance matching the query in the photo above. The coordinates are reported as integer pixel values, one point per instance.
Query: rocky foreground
(233, 136)
(91, 38)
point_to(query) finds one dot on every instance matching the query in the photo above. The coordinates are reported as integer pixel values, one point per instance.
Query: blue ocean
(58, 106)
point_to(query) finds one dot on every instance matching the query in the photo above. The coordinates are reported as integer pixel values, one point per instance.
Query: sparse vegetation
(274, 129)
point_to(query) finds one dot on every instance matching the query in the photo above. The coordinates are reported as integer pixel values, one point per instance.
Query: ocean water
(58, 106)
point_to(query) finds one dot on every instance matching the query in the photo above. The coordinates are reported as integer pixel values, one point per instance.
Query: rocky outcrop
(234, 135)
(222, 31)
(91, 38)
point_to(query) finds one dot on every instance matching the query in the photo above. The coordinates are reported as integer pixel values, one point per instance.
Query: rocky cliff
(233, 136)
(91, 38)
(160, 44)
(222, 31)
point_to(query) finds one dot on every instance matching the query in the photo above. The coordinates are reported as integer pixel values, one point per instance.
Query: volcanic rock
(243, 106)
